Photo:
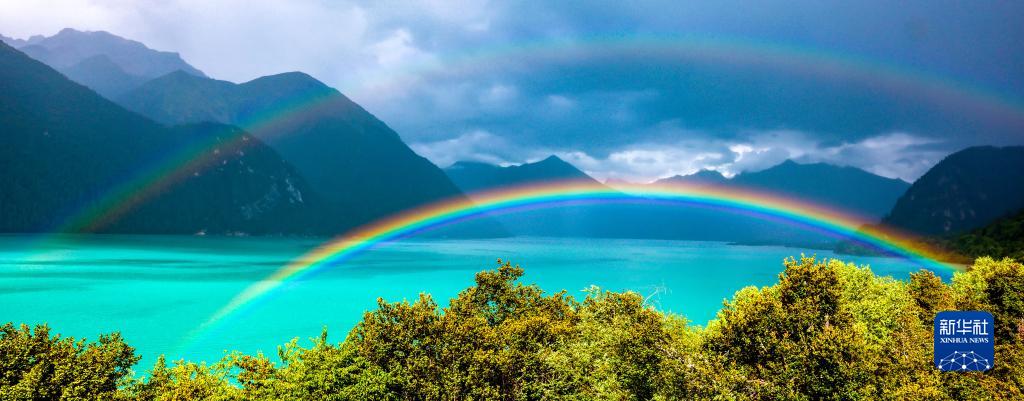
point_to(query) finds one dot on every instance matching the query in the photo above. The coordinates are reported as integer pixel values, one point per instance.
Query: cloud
(897, 155)
(894, 155)
(560, 102)
(456, 77)
(475, 145)
(642, 164)
(498, 97)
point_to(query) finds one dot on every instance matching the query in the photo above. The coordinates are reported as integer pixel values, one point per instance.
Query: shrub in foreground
(827, 330)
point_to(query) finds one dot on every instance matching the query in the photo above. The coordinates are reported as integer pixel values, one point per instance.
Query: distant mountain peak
(472, 176)
(18, 43)
(74, 32)
(704, 176)
(68, 34)
(553, 162)
(12, 41)
(70, 47)
(464, 164)
(292, 80)
(790, 166)
(708, 174)
(552, 159)
(848, 188)
(71, 31)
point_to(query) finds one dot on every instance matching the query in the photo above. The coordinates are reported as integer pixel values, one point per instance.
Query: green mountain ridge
(356, 162)
(106, 63)
(66, 148)
(966, 190)
(102, 75)
(1003, 238)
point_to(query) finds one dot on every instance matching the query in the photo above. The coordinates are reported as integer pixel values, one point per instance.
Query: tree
(827, 330)
(37, 366)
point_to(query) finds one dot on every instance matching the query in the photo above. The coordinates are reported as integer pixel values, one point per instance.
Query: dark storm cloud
(513, 82)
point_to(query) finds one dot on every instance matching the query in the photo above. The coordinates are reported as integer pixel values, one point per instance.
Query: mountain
(966, 190)
(475, 176)
(1000, 239)
(702, 177)
(846, 188)
(69, 47)
(65, 148)
(357, 163)
(553, 221)
(102, 75)
(16, 43)
(835, 187)
(109, 64)
(849, 189)
(181, 98)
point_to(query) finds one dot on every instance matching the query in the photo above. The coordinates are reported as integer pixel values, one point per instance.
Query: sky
(625, 90)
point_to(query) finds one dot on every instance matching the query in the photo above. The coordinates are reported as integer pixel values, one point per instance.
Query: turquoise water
(156, 290)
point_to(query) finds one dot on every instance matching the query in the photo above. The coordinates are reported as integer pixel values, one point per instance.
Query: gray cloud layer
(622, 90)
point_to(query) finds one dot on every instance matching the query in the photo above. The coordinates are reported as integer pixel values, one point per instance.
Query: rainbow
(189, 160)
(150, 181)
(901, 81)
(947, 93)
(438, 214)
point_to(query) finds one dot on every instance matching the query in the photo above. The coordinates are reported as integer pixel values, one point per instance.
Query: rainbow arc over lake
(760, 204)
(148, 182)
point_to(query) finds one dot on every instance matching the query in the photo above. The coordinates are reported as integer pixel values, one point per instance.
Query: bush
(37, 366)
(828, 330)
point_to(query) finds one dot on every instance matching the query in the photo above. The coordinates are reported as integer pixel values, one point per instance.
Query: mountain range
(846, 188)
(357, 163)
(314, 162)
(66, 148)
(999, 239)
(476, 176)
(109, 64)
(966, 190)
(843, 188)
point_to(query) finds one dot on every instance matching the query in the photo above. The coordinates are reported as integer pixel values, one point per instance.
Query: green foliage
(184, 381)
(930, 294)
(1003, 238)
(997, 287)
(828, 330)
(36, 366)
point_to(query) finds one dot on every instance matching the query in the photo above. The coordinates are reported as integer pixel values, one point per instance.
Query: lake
(156, 290)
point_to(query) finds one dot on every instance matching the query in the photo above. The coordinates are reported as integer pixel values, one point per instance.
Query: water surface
(156, 290)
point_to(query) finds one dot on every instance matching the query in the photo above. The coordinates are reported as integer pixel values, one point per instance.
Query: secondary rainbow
(945, 92)
(186, 161)
(902, 81)
(427, 217)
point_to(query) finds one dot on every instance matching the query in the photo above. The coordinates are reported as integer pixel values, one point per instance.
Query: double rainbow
(427, 217)
(942, 92)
